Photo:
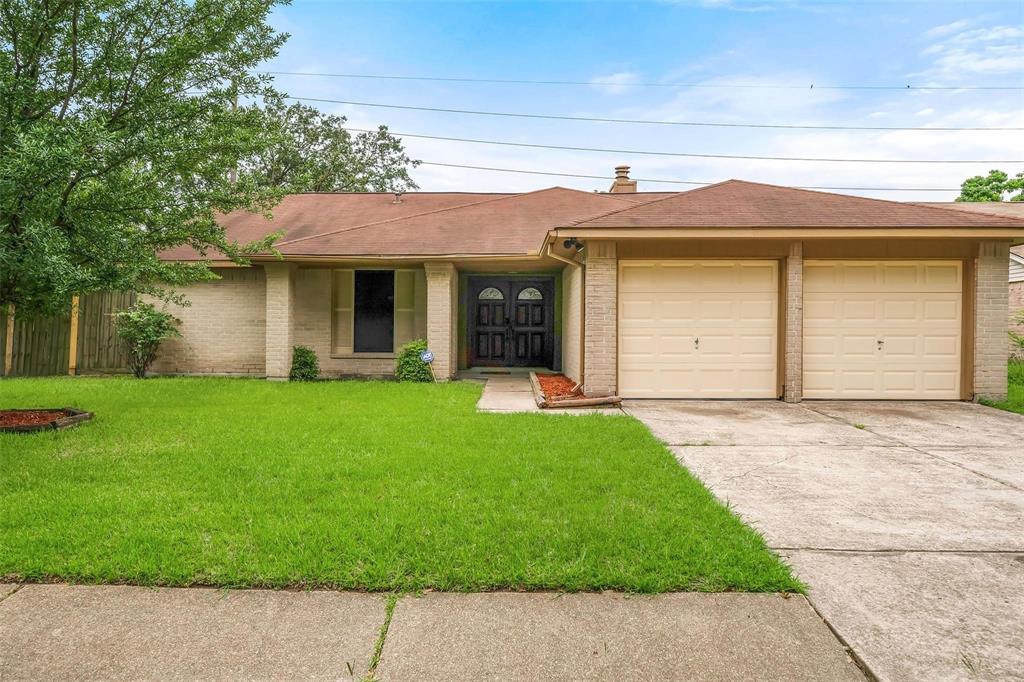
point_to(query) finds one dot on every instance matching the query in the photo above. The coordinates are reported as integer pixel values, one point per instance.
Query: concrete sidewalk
(51, 632)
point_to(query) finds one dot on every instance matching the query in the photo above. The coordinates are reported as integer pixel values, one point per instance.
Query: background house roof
(737, 203)
(1014, 209)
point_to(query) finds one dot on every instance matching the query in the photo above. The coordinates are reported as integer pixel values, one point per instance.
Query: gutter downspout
(583, 307)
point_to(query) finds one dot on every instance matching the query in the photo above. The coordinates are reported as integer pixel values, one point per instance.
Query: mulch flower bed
(39, 420)
(558, 387)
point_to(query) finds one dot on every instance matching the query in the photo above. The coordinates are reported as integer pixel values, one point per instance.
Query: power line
(710, 124)
(681, 182)
(598, 83)
(644, 152)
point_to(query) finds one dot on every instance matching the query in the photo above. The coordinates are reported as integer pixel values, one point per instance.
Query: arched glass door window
(530, 294)
(491, 294)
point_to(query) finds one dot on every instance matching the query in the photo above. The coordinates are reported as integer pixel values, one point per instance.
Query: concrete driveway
(906, 520)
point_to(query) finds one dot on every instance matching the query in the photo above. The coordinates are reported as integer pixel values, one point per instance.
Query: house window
(376, 311)
(530, 294)
(491, 294)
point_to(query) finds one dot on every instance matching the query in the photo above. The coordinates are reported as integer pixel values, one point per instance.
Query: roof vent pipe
(398, 198)
(622, 182)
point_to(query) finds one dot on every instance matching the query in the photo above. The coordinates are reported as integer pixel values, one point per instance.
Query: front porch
(483, 315)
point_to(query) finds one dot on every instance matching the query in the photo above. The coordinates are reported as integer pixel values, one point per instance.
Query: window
(530, 294)
(491, 294)
(376, 311)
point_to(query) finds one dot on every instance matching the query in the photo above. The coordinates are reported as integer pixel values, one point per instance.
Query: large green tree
(117, 136)
(996, 186)
(313, 152)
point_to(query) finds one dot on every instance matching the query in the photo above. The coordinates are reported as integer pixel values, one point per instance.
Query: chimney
(398, 198)
(622, 182)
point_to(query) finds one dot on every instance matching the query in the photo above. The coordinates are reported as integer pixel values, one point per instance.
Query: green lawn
(1015, 399)
(358, 485)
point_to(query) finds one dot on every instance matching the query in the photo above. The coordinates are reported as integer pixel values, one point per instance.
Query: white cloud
(966, 54)
(615, 83)
(946, 29)
(927, 111)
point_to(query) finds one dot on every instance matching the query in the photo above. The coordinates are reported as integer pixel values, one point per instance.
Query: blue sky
(616, 47)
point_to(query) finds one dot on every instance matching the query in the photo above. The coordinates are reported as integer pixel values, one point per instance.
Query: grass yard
(1015, 399)
(355, 485)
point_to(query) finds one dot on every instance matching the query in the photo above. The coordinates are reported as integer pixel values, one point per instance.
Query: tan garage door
(698, 329)
(882, 329)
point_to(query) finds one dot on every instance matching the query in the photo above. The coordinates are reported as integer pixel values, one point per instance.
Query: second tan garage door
(698, 329)
(882, 329)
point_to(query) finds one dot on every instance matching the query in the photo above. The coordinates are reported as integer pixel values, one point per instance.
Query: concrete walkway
(507, 394)
(905, 519)
(61, 632)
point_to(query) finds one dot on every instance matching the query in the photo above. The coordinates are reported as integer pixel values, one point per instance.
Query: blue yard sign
(427, 357)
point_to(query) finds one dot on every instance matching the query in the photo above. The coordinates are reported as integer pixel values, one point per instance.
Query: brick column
(442, 317)
(279, 319)
(600, 305)
(793, 386)
(991, 308)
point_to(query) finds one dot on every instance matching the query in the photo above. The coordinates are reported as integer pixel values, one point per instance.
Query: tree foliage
(142, 328)
(117, 134)
(313, 152)
(996, 186)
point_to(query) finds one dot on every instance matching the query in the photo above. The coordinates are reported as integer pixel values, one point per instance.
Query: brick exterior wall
(280, 292)
(793, 388)
(600, 319)
(572, 309)
(442, 317)
(223, 331)
(1016, 306)
(991, 307)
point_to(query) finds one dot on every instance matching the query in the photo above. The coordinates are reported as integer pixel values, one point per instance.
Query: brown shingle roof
(504, 225)
(303, 215)
(737, 203)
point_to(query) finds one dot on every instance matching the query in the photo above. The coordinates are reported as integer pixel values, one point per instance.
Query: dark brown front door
(511, 321)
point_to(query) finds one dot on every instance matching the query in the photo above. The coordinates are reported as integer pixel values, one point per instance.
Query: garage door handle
(880, 344)
(696, 343)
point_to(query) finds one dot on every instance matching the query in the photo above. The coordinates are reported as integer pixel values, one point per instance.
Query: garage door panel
(757, 311)
(730, 306)
(940, 382)
(860, 309)
(819, 310)
(938, 346)
(757, 276)
(854, 347)
(914, 308)
(944, 309)
(901, 347)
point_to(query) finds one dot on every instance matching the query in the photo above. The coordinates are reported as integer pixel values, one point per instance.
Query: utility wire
(681, 182)
(644, 152)
(556, 117)
(598, 83)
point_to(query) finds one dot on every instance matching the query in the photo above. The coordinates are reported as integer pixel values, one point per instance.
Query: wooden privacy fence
(81, 342)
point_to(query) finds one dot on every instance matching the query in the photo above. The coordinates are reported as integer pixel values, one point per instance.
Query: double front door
(511, 321)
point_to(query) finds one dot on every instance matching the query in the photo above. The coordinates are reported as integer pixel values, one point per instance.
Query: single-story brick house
(735, 290)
